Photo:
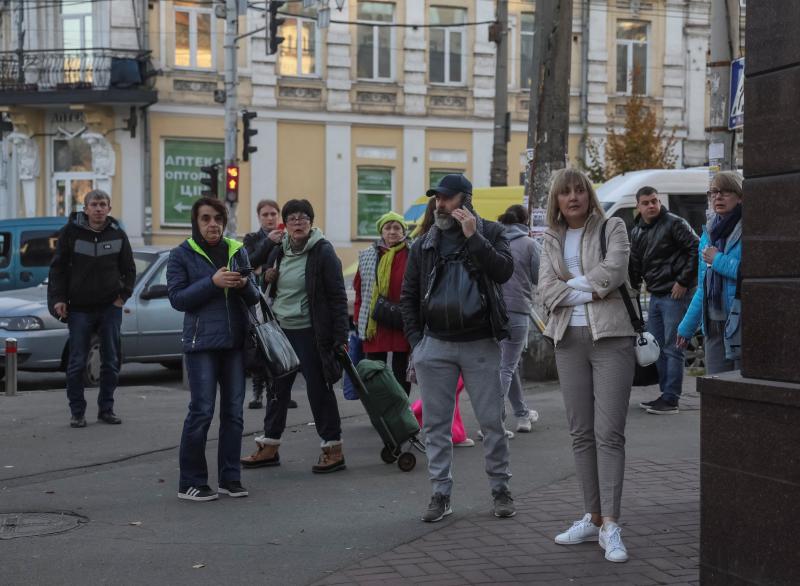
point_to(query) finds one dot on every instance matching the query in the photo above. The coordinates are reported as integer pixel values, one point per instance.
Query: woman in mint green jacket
(721, 253)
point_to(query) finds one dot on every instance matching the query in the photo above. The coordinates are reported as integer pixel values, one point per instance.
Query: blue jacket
(214, 318)
(726, 263)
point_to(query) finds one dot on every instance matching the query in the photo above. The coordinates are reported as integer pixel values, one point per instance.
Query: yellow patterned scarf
(381, 287)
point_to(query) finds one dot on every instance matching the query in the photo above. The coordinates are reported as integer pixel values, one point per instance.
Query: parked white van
(682, 191)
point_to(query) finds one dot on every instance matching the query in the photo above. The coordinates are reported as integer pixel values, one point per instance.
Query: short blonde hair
(728, 181)
(560, 183)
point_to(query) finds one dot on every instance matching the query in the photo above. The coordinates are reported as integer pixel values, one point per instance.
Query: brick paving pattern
(660, 527)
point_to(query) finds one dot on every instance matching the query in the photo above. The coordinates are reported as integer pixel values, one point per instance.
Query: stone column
(597, 101)
(26, 154)
(415, 87)
(340, 44)
(750, 426)
(485, 62)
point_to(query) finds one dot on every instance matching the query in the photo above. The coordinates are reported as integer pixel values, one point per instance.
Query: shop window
(374, 198)
(194, 34)
(447, 45)
(632, 57)
(71, 155)
(36, 248)
(375, 43)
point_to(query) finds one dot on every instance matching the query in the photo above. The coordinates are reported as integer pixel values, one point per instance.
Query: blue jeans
(663, 318)
(206, 370)
(82, 325)
(510, 353)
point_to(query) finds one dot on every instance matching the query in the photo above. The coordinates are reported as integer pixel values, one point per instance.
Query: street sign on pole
(182, 164)
(736, 101)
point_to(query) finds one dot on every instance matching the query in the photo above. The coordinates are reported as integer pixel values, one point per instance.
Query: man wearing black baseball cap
(454, 316)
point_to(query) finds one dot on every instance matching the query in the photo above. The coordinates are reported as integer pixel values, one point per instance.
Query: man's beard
(444, 221)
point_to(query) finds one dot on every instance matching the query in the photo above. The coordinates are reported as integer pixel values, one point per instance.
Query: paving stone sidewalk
(660, 527)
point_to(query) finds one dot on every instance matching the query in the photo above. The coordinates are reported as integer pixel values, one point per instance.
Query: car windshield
(143, 261)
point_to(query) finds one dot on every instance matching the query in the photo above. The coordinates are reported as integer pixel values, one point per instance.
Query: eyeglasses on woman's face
(714, 193)
(298, 219)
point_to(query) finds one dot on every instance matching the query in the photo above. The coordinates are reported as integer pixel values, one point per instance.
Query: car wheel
(695, 353)
(92, 372)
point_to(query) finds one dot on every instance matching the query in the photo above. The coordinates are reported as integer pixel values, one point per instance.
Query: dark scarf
(721, 228)
(218, 253)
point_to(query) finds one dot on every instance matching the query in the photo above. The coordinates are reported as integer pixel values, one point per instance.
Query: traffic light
(211, 181)
(247, 132)
(232, 183)
(273, 23)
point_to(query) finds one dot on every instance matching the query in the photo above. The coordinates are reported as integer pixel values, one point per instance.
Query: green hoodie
(291, 302)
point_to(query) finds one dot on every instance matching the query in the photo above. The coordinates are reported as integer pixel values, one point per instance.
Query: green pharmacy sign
(182, 187)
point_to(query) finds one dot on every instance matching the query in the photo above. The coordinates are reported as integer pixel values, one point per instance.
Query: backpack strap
(636, 318)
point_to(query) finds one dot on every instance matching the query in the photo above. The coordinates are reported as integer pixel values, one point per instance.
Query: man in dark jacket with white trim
(91, 276)
(664, 255)
(465, 342)
(204, 281)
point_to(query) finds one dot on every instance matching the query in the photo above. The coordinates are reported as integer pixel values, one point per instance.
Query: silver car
(151, 328)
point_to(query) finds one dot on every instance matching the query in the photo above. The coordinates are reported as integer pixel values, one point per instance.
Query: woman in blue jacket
(204, 282)
(721, 252)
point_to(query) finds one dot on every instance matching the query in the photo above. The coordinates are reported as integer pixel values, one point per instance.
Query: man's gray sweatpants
(438, 365)
(595, 380)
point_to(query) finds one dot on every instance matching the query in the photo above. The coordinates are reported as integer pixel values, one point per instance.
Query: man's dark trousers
(105, 322)
(664, 314)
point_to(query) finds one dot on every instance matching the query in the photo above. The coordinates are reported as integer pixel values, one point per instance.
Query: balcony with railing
(67, 76)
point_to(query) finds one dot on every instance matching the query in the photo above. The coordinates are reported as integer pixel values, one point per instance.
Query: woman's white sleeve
(575, 297)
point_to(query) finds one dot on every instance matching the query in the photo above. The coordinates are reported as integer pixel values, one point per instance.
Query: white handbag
(646, 348)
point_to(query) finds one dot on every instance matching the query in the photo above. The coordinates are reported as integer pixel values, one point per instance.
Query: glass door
(69, 190)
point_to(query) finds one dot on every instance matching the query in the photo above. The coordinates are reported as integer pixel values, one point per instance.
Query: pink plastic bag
(458, 431)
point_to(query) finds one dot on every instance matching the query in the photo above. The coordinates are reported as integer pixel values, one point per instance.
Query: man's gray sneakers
(438, 508)
(503, 503)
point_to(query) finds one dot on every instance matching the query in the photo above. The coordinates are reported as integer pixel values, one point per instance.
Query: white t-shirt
(572, 258)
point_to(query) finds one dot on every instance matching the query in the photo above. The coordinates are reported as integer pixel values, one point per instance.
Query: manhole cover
(32, 524)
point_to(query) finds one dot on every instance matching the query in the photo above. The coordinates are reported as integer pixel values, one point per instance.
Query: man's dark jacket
(662, 253)
(489, 252)
(90, 269)
(327, 300)
(214, 318)
(259, 247)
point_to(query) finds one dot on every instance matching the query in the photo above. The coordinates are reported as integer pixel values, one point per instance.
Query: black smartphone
(245, 271)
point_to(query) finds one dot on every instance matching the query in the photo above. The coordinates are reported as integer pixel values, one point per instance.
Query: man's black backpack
(455, 302)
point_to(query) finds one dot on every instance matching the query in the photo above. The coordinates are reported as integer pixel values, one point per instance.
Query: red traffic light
(232, 183)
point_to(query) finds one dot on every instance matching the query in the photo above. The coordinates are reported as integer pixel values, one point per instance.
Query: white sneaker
(611, 541)
(583, 530)
(509, 434)
(525, 423)
(467, 443)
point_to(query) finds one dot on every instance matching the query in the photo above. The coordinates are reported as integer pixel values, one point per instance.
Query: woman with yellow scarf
(378, 283)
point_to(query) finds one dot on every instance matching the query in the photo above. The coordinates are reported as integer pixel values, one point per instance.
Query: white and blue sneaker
(583, 530)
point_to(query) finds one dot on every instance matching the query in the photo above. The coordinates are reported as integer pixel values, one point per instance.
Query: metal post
(20, 42)
(501, 132)
(231, 101)
(11, 367)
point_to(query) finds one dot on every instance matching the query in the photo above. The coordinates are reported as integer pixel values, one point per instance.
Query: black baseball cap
(451, 185)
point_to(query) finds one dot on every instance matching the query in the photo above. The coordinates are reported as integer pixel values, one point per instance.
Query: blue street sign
(736, 101)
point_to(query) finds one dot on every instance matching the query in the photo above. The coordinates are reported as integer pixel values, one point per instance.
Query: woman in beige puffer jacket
(593, 338)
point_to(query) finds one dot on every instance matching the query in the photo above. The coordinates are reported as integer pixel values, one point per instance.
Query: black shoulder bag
(454, 302)
(643, 376)
(268, 351)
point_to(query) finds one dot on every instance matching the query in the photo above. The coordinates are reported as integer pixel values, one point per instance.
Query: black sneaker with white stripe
(233, 488)
(198, 493)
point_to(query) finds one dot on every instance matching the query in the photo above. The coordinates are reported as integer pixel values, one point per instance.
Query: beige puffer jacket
(607, 317)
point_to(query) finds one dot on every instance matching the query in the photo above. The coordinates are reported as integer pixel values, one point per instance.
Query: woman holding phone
(205, 283)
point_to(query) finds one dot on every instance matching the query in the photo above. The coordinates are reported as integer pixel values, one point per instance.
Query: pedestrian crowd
(448, 306)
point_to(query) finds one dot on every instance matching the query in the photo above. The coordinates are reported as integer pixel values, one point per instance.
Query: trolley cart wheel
(387, 455)
(406, 461)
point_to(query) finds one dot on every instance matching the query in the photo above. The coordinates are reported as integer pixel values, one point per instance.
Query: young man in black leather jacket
(664, 256)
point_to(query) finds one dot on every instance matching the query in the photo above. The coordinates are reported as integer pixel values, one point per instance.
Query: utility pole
(724, 49)
(20, 42)
(499, 34)
(548, 117)
(231, 101)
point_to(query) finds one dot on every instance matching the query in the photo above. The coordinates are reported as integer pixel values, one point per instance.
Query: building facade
(73, 89)
(362, 116)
